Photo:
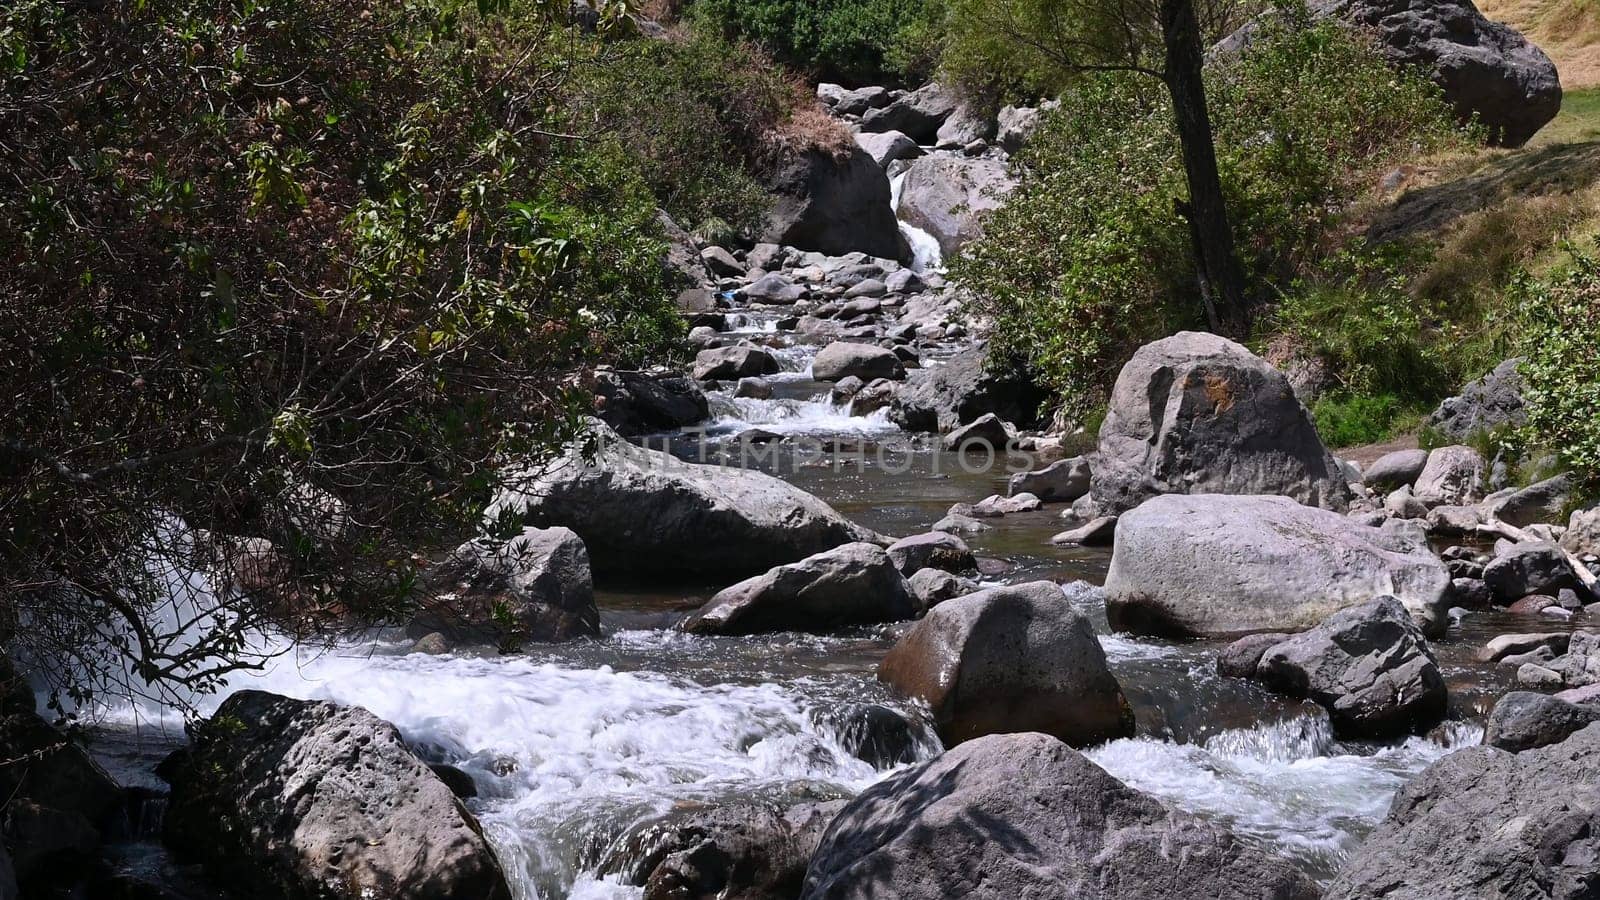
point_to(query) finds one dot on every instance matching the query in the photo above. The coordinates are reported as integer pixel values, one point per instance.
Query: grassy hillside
(1568, 30)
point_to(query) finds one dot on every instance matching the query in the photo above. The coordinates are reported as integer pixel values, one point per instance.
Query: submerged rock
(306, 800)
(849, 585)
(1022, 816)
(1016, 658)
(1199, 414)
(1217, 566)
(741, 852)
(1482, 822)
(642, 511)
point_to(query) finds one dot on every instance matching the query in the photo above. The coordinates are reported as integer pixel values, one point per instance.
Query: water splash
(926, 255)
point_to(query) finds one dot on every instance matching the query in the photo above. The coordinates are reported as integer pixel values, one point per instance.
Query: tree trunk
(1221, 278)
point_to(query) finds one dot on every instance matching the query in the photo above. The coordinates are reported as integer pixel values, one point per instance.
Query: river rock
(988, 434)
(1504, 646)
(1016, 658)
(842, 359)
(1541, 502)
(1482, 822)
(1199, 414)
(918, 114)
(1486, 69)
(683, 255)
(961, 523)
(44, 842)
(41, 764)
(1583, 532)
(1453, 475)
(1534, 567)
(642, 402)
(740, 852)
(834, 204)
(1522, 720)
(1024, 816)
(644, 511)
(1395, 470)
(849, 585)
(878, 735)
(721, 262)
(934, 586)
(1063, 481)
(936, 550)
(873, 397)
(995, 506)
(535, 587)
(732, 363)
(753, 388)
(1214, 565)
(1490, 403)
(1096, 532)
(966, 124)
(774, 290)
(887, 146)
(306, 800)
(1369, 666)
(1241, 658)
(940, 399)
(8, 876)
(948, 196)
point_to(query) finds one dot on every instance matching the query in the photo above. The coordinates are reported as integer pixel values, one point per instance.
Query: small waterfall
(925, 253)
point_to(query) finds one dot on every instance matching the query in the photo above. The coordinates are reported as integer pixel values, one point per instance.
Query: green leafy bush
(1560, 325)
(1351, 421)
(1088, 258)
(848, 41)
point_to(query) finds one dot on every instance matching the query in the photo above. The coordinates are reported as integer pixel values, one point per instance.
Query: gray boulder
(1487, 70)
(965, 125)
(850, 585)
(1583, 532)
(1007, 659)
(1017, 123)
(733, 363)
(1482, 822)
(742, 852)
(1213, 565)
(535, 587)
(918, 113)
(644, 511)
(643, 402)
(947, 196)
(935, 550)
(1025, 816)
(1199, 414)
(887, 146)
(988, 433)
(773, 290)
(942, 398)
(1453, 475)
(934, 586)
(1542, 502)
(1369, 666)
(1522, 720)
(307, 800)
(853, 103)
(1533, 567)
(683, 254)
(834, 204)
(1392, 471)
(1493, 401)
(868, 362)
(1063, 481)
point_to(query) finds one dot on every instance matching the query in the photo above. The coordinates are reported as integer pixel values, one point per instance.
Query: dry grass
(809, 127)
(1568, 30)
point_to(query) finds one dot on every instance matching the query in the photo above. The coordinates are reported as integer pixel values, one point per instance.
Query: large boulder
(918, 114)
(868, 362)
(1369, 666)
(1063, 481)
(1492, 402)
(642, 402)
(834, 204)
(947, 196)
(1199, 414)
(1482, 822)
(1533, 567)
(966, 124)
(1213, 565)
(41, 764)
(1486, 69)
(732, 363)
(1454, 475)
(535, 587)
(1522, 720)
(1544, 501)
(887, 146)
(850, 585)
(934, 550)
(306, 800)
(1025, 816)
(644, 511)
(1008, 659)
(942, 398)
(1392, 471)
(743, 852)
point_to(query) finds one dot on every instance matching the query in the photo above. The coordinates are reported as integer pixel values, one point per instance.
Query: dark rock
(1007, 659)
(834, 205)
(729, 363)
(943, 398)
(1024, 816)
(1522, 720)
(849, 585)
(305, 800)
(1470, 593)
(1533, 567)
(880, 736)
(459, 782)
(1482, 822)
(43, 840)
(641, 402)
(917, 114)
(1199, 414)
(1493, 401)
(41, 764)
(936, 550)
(534, 587)
(744, 852)
(1369, 666)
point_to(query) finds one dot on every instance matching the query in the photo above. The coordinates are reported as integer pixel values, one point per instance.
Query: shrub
(1559, 319)
(1088, 258)
(1350, 421)
(848, 41)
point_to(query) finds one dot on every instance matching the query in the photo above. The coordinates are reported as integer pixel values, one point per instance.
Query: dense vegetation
(1560, 323)
(850, 41)
(1087, 260)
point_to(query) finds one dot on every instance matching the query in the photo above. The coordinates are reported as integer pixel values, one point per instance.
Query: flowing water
(573, 746)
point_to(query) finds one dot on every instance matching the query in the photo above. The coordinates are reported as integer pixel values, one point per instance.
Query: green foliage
(1088, 258)
(849, 41)
(1560, 327)
(1350, 421)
